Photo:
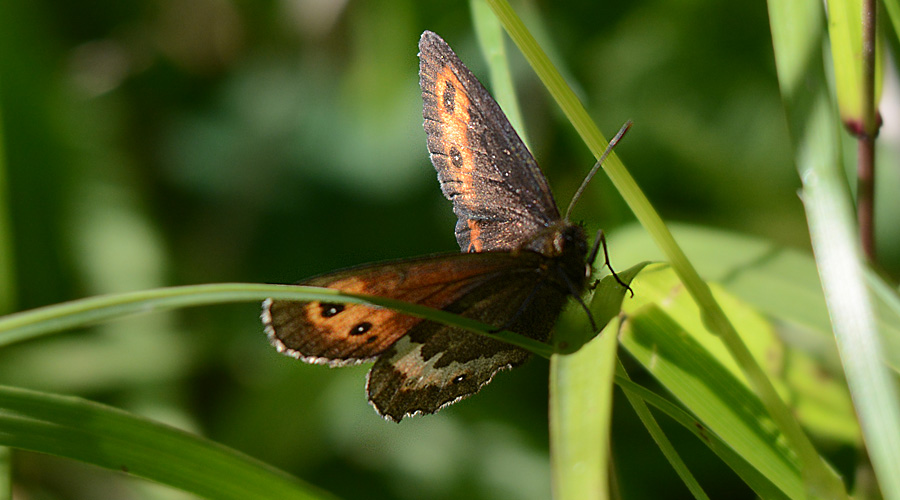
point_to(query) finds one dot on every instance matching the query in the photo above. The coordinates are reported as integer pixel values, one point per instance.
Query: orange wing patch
(453, 116)
(475, 243)
(454, 119)
(355, 331)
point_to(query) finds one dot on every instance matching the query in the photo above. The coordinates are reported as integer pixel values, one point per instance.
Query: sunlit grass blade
(781, 282)
(493, 47)
(113, 439)
(777, 280)
(580, 412)
(845, 33)
(815, 132)
(581, 394)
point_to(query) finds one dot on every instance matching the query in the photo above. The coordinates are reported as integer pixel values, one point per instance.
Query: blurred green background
(177, 142)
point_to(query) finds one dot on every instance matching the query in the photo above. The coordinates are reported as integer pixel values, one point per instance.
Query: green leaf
(580, 411)
(675, 349)
(819, 399)
(781, 282)
(113, 439)
(638, 396)
(606, 303)
(581, 395)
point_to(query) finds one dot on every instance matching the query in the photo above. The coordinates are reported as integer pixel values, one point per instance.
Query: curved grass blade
(113, 439)
(45, 320)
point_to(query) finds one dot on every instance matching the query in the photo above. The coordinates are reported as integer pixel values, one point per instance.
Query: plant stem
(865, 194)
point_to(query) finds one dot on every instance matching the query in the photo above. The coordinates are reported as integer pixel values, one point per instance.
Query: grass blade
(45, 320)
(637, 394)
(815, 130)
(659, 437)
(581, 393)
(113, 439)
(580, 413)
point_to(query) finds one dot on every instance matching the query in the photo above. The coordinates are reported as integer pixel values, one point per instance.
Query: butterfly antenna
(590, 175)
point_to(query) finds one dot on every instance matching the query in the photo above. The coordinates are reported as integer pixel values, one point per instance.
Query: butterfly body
(520, 263)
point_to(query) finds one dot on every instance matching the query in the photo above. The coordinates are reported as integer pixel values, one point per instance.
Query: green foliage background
(178, 142)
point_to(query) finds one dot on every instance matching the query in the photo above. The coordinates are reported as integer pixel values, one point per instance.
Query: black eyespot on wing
(456, 157)
(449, 98)
(330, 310)
(361, 328)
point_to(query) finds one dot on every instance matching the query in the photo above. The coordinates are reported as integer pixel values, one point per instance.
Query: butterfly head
(566, 245)
(571, 239)
(560, 240)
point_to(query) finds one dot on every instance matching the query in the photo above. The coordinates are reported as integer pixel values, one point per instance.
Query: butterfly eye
(559, 243)
(329, 310)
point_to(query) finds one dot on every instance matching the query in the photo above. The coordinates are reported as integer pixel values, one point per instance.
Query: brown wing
(340, 334)
(498, 192)
(423, 366)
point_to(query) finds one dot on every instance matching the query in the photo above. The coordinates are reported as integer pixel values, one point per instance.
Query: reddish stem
(865, 195)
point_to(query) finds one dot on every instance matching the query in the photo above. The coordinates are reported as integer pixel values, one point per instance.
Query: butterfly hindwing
(436, 365)
(498, 192)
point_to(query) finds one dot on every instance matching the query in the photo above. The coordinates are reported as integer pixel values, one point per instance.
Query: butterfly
(521, 262)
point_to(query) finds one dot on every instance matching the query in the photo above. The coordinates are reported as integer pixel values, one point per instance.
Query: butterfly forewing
(498, 192)
(339, 334)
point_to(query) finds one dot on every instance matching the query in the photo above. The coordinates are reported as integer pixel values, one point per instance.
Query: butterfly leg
(599, 241)
(574, 293)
